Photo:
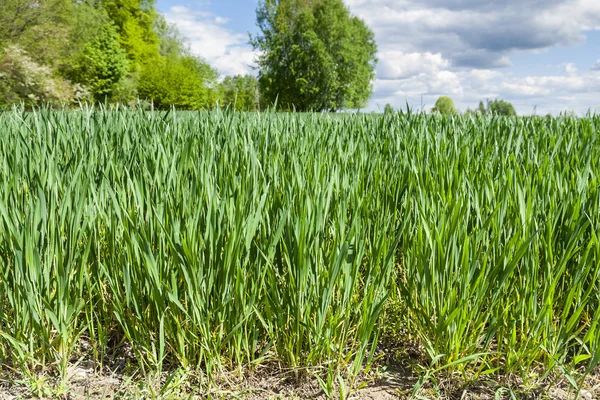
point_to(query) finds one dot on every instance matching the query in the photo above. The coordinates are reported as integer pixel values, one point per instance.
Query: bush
(24, 80)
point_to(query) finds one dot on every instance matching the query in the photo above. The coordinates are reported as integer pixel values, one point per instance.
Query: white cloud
(212, 40)
(238, 60)
(570, 69)
(484, 75)
(428, 48)
(547, 94)
(520, 89)
(477, 33)
(462, 48)
(399, 65)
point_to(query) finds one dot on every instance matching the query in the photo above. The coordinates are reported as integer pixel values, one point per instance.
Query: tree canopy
(500, 107)
(495, 107)
(314, 55)
(444, 105)
(102, 65)
(63, 51)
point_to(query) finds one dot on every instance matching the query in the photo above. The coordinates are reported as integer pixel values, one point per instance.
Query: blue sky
(538, 54)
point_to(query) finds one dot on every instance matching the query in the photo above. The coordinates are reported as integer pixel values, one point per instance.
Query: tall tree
(315, 55)
(135, 24)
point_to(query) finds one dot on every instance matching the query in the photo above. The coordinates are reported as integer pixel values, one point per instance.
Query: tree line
(315, 56)
(445, 106)
(61, 52)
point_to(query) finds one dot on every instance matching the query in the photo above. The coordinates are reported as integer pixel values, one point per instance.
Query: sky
(541, 55)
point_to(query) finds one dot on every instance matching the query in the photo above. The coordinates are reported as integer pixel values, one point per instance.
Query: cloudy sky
(542, 55)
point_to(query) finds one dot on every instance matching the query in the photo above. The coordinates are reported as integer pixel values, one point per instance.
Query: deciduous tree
(444, 105)
(314, 55)
(501, 107)
(103, 65)
(185, 82)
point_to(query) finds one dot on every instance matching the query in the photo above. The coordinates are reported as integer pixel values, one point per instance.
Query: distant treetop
(444, 105)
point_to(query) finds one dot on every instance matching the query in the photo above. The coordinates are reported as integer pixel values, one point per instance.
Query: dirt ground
(394, 384)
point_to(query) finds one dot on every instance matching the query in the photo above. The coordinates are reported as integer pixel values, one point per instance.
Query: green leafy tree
(103, 65)
(315, 55)
(240, 93)
(388, 109)
(501, 107)
(61, 51)
(135, 24)
(39, 42)
(48, 30)
(184, 82)
(173, 76)
(444, 105)
(25, 20)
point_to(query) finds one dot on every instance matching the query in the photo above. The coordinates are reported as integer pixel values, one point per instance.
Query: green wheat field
(216, 241)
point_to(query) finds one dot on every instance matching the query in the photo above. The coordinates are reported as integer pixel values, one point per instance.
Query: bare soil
(394, 384)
